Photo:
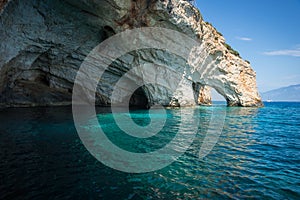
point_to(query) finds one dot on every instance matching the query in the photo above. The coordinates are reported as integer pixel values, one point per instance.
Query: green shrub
(219, 33)
(231, 50)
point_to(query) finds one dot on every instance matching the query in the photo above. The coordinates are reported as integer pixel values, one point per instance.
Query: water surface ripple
(257, 156)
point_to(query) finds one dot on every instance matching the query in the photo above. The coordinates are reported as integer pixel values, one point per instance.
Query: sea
(255, 155)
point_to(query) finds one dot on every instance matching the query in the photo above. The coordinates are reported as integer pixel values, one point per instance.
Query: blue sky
(265, 32)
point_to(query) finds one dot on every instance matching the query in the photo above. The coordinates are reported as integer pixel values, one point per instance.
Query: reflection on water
(257, 156)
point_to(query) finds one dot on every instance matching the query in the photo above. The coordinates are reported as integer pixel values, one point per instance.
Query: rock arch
(51, 38)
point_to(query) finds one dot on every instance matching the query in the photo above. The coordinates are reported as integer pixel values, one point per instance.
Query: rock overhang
(46, 41)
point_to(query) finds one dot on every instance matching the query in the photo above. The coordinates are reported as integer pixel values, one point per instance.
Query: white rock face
(44, 42)
(204, 97)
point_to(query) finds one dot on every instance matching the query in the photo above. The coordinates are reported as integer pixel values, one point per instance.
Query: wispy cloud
(284, 52)
(291, 77)
(244, 38)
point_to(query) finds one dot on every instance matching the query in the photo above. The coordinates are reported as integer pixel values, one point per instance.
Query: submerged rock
(44, 42)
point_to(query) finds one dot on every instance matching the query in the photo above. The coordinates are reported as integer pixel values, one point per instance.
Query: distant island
(290, 93)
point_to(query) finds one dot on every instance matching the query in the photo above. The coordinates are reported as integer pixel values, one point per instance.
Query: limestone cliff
(204, 97)
(44, 42)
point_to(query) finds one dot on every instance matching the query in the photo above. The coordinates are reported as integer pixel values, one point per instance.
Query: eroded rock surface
(44, 42)
(204, 97)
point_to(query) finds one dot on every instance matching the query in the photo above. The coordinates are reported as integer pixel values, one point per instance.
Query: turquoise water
(257, 156)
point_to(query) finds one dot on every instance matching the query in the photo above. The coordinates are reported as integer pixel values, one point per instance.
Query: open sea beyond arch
(257, 156)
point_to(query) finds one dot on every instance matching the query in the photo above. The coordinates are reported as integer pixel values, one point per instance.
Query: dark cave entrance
(139, 100)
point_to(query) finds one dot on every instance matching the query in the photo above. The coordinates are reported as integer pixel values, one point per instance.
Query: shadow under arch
(139, 99)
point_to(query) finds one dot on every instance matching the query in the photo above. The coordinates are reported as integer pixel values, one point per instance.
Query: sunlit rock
(44, 42)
